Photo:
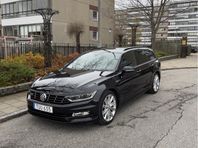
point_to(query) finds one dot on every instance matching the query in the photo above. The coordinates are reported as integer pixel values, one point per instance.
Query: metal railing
(11, 49)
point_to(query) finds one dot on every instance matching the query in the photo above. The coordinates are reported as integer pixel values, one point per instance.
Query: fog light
(29, 97)
(79, 114)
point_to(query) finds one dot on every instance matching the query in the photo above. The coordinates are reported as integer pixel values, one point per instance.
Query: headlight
(83, 97)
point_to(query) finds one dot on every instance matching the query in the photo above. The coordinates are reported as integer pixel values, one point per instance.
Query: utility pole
(99, 23)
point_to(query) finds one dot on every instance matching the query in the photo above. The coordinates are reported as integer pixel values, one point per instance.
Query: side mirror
(128, 69)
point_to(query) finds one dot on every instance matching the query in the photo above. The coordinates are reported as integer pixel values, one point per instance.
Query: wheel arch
(158, 72)
(116, 94)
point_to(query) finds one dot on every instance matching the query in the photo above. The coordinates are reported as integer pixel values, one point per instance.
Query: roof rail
(128, 48)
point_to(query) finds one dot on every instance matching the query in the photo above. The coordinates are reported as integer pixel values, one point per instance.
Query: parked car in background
(95, 84)
(194, 49)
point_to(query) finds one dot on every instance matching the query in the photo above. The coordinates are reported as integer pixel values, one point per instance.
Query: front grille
(53, 99)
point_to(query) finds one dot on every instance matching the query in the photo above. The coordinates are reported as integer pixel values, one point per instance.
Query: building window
(30, 30)
(8, 31)
(95, 35)
(16, 9)
(94, 12)
(29, 5)
(24, 6)
(95, 15)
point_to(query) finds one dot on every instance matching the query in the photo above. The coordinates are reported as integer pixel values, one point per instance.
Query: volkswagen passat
(92, 86)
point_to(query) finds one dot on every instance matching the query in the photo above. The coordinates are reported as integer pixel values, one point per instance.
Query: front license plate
(43, 108)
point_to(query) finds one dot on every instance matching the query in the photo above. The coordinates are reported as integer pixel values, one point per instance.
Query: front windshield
(101, 60)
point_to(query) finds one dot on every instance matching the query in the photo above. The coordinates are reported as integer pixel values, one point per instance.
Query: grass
(160, 54)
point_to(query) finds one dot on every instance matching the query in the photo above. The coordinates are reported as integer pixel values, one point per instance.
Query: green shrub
(33, 60)
(160, 54)
(24, 68)
(12, 73)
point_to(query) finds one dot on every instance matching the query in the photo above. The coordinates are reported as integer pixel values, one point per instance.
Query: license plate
(43, 108)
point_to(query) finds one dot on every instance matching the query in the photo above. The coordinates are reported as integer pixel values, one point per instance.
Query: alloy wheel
(156, 83)
(109, 108)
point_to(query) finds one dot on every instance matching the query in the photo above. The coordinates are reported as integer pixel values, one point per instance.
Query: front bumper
(64, 112)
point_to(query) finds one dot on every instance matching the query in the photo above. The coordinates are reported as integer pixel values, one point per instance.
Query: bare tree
(119, 36)
(76, 29)
(153, 12)
(120, 27)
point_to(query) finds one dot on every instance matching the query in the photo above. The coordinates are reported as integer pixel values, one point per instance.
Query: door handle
(139, 70)
(152, 64)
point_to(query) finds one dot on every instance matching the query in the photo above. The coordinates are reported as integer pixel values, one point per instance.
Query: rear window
(144, 55)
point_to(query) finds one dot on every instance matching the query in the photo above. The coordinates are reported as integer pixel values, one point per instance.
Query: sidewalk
(12, 105)
(189, 62)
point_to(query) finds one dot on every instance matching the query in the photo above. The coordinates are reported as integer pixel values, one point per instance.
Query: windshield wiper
(101, 72)
(110, 52)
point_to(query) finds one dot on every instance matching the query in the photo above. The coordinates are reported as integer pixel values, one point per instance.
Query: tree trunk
(47, 45)
(78, 43)
(48, 55)
(153, 39)
(120, 40)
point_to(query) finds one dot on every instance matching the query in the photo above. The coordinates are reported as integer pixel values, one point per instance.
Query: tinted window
(144, 55)
(150, 54)
(128, 59)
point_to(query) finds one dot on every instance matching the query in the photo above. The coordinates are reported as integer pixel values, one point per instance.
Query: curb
(13, 115)
(179, 68)
(166, 58)
(14, 89)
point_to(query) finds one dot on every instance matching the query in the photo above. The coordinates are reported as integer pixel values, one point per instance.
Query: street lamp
(133, 33)
(47, 14)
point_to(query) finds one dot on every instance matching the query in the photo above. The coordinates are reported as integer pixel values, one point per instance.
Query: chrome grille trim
(53, 99)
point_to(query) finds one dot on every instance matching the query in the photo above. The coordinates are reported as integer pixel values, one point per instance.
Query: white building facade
(184, 21)
(19, 19)
(181, 19)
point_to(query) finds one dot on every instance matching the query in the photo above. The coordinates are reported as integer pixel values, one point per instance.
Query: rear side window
(144, 55)
(128, 59)
(150, 54)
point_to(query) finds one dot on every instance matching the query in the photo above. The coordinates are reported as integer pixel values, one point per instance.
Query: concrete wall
(78, 11)
(107, 21)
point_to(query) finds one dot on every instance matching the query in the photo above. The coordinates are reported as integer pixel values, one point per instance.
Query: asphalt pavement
(165, 120)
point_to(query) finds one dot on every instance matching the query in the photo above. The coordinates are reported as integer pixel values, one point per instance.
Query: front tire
(107, 108)
(155, 84)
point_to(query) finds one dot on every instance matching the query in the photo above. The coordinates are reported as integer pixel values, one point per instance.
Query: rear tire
(107, 108)
(155, 84)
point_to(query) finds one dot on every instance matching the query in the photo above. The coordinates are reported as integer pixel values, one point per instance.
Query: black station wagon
(95, 84)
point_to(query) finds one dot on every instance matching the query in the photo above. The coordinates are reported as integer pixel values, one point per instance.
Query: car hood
(70, 79)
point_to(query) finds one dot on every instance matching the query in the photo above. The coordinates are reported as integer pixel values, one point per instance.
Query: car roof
(126, 49)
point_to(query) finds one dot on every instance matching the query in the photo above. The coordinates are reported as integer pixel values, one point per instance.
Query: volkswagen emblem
(43, 97)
